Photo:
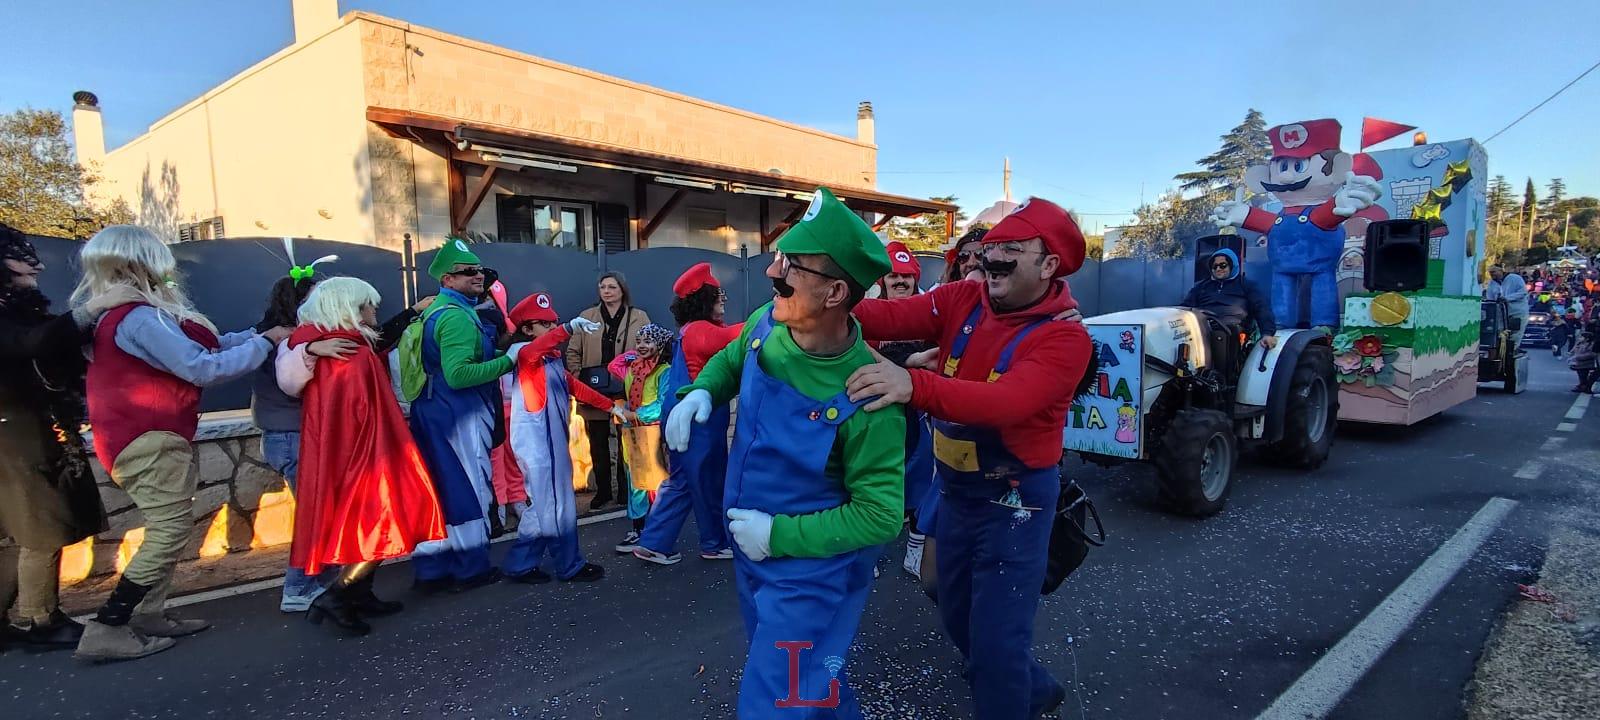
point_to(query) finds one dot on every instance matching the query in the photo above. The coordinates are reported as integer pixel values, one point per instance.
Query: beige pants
(157, 471)
(32, 578)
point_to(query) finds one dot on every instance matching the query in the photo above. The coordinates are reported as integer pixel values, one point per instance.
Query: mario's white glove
(620, 415)
(581, 326)
(752, 529)
(1358, 193)
(1231, 213)
(693, 408)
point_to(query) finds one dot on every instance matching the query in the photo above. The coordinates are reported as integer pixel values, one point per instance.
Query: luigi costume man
(450, 371)
(815, 483)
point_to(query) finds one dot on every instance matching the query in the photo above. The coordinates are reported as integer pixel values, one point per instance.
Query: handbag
(600, 380)
(1069, 537)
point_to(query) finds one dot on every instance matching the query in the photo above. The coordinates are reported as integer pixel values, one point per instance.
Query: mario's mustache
(1287, 187)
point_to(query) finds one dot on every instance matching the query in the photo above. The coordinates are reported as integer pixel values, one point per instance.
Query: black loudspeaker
(1210, 244)
(1396, 255)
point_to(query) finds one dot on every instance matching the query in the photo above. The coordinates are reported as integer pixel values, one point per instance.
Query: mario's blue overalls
(1296, 249)
(539, 438)
(919, 461)
(454, 431)
(991, 559)
(778, 465)
(695, 476)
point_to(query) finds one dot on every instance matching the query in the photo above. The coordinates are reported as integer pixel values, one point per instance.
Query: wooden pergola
(783, 198)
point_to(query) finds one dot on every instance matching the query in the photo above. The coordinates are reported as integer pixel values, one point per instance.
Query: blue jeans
(281, 450)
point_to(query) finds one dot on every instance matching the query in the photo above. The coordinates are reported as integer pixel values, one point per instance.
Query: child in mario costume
(815, 483)
(540, 393)
(1319, 190)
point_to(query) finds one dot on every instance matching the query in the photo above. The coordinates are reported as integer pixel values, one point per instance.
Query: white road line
(1553, 443)
(1318, 691)
(1530, 470)
(1579, 405)
(269, 583)
(1567, 427)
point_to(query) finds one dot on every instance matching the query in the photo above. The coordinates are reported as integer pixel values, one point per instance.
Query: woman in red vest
(365, 495)
(150, 359)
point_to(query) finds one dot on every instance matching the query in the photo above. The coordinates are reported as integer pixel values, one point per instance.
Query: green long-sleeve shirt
(868, 455)
(461, 348)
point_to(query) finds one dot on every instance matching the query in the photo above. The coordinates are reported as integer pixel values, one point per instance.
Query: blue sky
(1092, 101)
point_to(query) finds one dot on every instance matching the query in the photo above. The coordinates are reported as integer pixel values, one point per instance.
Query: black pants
(1586, 380)
(608, 484)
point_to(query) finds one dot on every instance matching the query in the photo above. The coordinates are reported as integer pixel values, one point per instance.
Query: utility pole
(1006, 180)
(1566, 229)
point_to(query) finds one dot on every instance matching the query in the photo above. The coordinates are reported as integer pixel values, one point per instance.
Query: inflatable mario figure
(1319, 191)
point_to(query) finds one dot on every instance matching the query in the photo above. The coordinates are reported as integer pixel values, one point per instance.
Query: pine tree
(1499, 196)
(925, 232)
(1555, 192)
(1530, 210)
(1243, 146)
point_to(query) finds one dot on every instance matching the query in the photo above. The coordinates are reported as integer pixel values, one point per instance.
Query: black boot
(368, 604)
(335, 605)
(119, 607)
(58, 632)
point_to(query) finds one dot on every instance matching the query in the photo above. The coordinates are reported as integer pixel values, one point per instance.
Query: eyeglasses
(966, 255)
(785, 265)
(467, 272)
(1008, 251)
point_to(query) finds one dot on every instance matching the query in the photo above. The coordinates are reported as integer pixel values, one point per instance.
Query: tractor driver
(1234, 300)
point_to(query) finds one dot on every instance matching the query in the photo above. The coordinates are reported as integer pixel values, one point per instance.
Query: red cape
(363, 492)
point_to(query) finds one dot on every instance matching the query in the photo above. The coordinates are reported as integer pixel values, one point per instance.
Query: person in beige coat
(588, 355)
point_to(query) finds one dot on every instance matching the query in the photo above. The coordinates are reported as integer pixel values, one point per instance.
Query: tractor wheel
(1195, 460)
(1311, 413)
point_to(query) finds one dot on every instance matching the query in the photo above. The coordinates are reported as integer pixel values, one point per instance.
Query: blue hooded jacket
(1236, 301)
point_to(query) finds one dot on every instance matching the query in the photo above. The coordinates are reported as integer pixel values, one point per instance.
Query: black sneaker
(489, 578)
(60, 632)
(630, 542)
(532, 577)
(590, 572)
(597, 503)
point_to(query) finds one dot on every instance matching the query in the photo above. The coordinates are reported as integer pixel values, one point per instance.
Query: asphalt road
(1173, 618)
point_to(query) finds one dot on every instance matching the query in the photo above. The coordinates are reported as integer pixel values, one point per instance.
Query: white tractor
(1201, 396)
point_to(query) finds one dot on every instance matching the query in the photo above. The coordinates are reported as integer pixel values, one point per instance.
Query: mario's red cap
(900, 260)
(693, 279)
(1040, 218)
(1304, 139)
(533, 308)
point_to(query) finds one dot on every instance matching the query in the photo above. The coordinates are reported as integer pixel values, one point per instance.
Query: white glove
(1358, 193)
(693, 408)
(621, 416)
(752, 529)
(1231, 213)
(582, 326)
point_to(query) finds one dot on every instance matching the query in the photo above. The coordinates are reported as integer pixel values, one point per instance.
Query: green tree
(1555, 192)
(1530, 210)
(1164, 228)
(1094, 247)
(42, 189)
(926, 232)
(1245, 145)
(1500, 200)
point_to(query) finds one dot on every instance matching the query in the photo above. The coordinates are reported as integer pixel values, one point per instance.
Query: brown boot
(166, 626)
(107, 643)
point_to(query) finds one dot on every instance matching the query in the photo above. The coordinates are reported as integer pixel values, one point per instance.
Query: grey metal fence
(229, 279)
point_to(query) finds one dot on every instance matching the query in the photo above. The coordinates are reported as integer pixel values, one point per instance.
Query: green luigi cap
(454, 252)
(829, 228)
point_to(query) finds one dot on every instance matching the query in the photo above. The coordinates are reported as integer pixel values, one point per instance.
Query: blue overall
(991, 558)
(694, 476)
(1297, 250)
(922, 487)
(454, 431)
(539, 439)
(778, 465)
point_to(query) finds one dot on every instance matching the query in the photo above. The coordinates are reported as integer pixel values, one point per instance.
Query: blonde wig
(335, 304)
(133, 256)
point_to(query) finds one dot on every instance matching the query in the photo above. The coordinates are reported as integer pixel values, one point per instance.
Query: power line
(1542, 104)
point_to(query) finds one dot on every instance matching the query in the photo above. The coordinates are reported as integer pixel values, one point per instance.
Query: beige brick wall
(422, 70)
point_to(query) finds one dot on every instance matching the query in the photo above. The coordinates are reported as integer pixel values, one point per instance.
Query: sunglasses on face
(966, 255)
(467, 272)
(1219, 266)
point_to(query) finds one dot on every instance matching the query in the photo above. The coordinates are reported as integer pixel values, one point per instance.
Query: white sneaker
(651, 556)
(630, 543)
(723, 554)
(913, 563)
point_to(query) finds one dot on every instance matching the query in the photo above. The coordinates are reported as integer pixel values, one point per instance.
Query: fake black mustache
(1289, 187)
(782, 287)
(998, 267)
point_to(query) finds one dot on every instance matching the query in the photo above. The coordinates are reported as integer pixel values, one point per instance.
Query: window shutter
(185, 233)
(216, 228)
(513, 220)
(611, 226)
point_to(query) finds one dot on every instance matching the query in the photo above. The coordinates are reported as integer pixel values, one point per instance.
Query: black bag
(1069, 536)
(599, 379)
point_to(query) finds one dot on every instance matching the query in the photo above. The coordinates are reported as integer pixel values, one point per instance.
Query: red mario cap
(696, 277)
(1304, 139)
(900, 260)
(1040, 218)
(533, 308)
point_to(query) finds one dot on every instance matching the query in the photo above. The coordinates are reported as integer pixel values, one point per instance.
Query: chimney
(314, 17)
(88, 131)
(866, 128)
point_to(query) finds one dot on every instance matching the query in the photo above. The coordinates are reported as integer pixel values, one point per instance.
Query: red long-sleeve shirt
(531, 369)
(1322, 216)
(702, 339)
(1028, 404)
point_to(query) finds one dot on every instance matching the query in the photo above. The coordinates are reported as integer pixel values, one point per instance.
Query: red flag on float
(1374, 131)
